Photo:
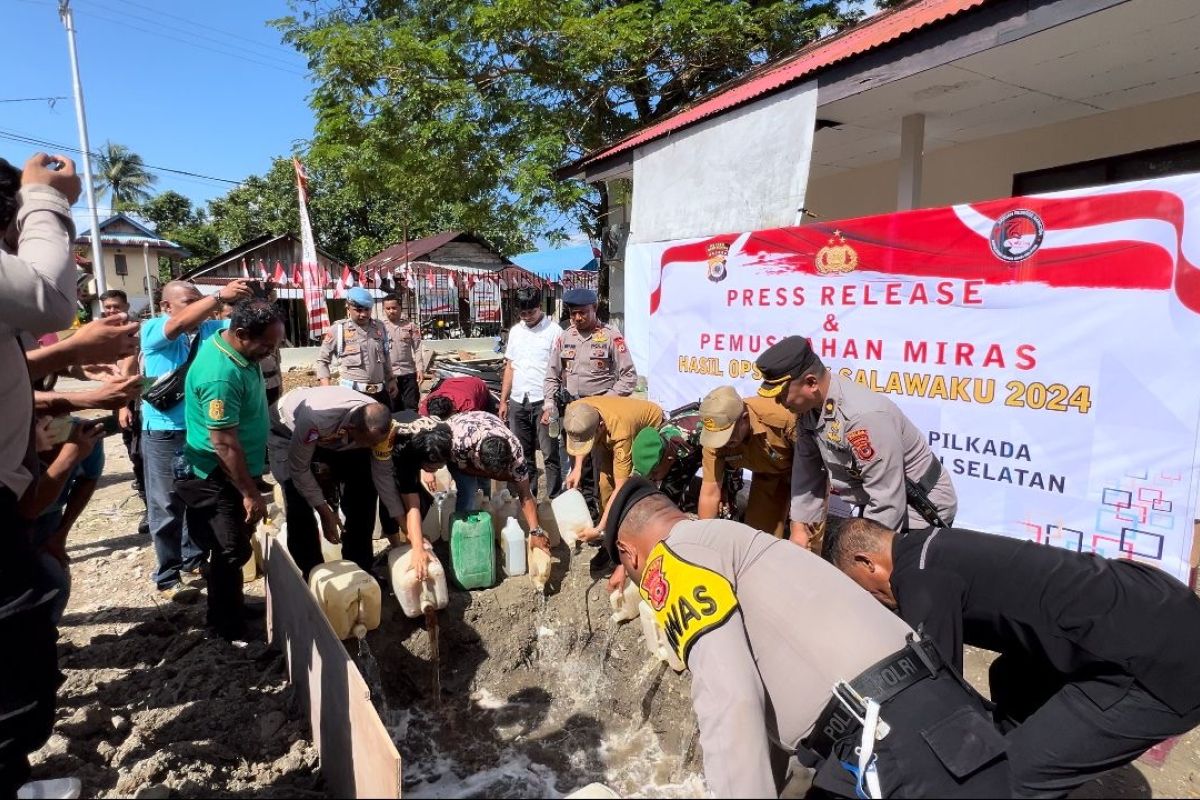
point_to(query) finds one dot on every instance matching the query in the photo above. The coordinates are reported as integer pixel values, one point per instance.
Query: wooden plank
(358, 757)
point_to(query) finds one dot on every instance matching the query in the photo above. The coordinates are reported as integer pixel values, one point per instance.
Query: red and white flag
(349, 280)
(280, 276)
(264, 273)
(314, 287)
(297, 276)
(245, 271)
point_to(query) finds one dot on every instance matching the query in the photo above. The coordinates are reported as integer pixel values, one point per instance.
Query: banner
(484, 298)
(1048, 346)
(745, 168)
(314, 285)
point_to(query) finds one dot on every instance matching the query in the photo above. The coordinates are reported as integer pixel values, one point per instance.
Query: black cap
(788, 358)
(580, 297)
(635, 489)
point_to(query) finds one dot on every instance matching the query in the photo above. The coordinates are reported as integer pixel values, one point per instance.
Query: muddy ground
(535, 700)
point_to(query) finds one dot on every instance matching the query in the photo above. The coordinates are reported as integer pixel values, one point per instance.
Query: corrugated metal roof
(418, 248)
(879, 30)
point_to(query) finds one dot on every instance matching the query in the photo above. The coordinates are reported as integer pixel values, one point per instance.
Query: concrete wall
(984, 169)
(133, 284)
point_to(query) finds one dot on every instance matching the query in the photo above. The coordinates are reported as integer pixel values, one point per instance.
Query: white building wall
(984, 169)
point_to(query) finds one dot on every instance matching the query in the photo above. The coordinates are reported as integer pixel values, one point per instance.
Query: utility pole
(68, 20)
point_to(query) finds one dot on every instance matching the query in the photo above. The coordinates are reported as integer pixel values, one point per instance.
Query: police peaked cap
(580, 297)
(634, 490)
(788, 358)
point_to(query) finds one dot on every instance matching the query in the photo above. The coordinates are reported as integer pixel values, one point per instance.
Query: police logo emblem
(860, 440)
(718, 257)
(836, 257)
(654, 584)
(1017, 235)
(834, 433)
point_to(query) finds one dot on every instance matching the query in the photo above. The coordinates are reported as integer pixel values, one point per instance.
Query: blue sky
(202, 87)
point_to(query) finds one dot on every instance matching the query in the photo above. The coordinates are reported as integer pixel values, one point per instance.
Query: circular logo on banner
(1017, 235)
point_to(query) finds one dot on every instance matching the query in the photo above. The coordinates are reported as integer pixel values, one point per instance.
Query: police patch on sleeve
(860, 440)
(688, 600)
(383, 450)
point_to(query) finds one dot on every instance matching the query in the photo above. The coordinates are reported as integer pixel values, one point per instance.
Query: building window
(1158, 163)
(120, 263)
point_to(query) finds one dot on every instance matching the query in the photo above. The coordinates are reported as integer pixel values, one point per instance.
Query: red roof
(879, 30)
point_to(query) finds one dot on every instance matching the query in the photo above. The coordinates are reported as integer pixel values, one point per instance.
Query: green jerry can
(473, 550)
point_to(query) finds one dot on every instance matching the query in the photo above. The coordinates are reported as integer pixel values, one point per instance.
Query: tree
(123, 175)
(459, 111)
(174, 218)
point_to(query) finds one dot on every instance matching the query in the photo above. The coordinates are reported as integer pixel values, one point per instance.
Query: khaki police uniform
(404, 346)
(726, 596)
(597, 363)
(362, 353)
(863, 446)
(310, 425)
(768, 453)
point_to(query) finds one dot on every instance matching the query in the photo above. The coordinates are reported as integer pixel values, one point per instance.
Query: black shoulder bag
(167, 392)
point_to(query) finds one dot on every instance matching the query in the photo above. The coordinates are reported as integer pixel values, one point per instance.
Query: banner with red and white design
(1047, 345)
(312, 272)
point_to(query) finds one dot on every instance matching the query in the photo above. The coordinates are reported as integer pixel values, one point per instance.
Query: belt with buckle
(367, 388)
(880, 682)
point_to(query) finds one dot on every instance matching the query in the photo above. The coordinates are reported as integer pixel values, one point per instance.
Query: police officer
(361, 347)
(404, 347)
(856, 440)
(754, 434)
(589, 358)
(1099, 660)
(727, 595)
(348, 434)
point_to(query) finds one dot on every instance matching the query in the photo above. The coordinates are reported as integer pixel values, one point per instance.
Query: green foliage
(122, 174)
(174, 218)
(457, 112)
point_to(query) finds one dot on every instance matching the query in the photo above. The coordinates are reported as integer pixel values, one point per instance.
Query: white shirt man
(522, 392)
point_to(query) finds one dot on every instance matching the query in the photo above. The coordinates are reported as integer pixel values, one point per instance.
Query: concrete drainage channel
(539, 695)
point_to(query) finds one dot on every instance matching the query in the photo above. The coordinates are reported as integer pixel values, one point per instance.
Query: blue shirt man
(166, 342)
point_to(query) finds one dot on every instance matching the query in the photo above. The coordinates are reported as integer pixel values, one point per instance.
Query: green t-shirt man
(224, 390)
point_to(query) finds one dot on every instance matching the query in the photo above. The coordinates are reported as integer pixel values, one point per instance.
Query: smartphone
(60, 429)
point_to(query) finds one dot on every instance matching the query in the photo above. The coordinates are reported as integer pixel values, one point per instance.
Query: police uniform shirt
(316, 417)
(868, 446)
(768, 448)
(361, 351)
(596, 364)
(1077, 613)
(760, 671)
(404, 343)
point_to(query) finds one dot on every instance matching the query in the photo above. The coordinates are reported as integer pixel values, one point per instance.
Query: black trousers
(133, 447)
(29, 676)
(1065, 738)
(352, 471)
(525, 422)
(216, 520)
(409, 396)
(942, 743)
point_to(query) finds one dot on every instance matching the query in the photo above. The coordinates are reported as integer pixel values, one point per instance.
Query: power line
(33, 140)
(201, 24)
(51, 100)
(190, 32)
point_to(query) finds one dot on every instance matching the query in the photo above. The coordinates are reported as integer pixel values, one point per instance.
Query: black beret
(634, 490)
(781, 362)
(580, 297)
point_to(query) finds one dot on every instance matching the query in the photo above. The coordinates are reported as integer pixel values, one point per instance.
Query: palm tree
(122, 173)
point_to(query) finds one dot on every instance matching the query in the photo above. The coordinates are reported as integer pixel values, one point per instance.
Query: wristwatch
(539, 532)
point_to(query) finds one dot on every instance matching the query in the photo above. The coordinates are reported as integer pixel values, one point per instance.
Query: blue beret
(580, 297)
(360, 297)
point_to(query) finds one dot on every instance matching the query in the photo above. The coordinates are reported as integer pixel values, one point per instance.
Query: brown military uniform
(596, 364)
(404, 345)
(767, 453)
(362, 354)
(869, 447)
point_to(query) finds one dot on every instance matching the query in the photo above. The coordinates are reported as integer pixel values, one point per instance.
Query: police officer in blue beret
(361, 347)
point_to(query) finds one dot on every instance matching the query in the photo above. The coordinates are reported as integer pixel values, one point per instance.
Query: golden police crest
(836, 257)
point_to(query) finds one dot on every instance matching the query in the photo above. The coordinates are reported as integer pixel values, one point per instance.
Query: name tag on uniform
(568, 351)
(688, 600)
